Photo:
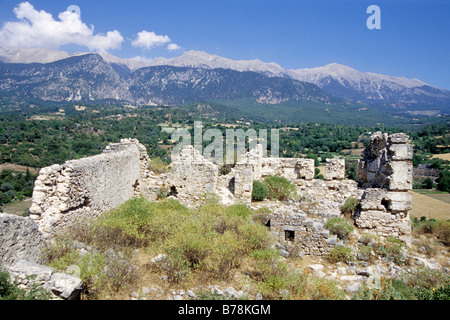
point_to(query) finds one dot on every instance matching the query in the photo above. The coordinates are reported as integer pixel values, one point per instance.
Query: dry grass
(16, 167)
(425, 206)
(18, 208)
(443, 156)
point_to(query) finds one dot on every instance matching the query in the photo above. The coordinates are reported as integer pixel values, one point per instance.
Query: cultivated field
(443, 156)
(430, 207)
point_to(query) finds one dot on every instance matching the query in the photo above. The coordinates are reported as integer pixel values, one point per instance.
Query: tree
(428, 183)
(444, 181)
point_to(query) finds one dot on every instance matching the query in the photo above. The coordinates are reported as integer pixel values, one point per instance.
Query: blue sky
(414, 39)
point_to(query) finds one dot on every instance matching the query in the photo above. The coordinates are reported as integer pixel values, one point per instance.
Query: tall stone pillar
(385, 172)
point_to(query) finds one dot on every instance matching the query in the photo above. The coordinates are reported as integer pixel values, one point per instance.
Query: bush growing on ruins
(158, 166)
(162, 193)
(262, 216)
(366, 253)
(429, 284)
(391, 249)
(386, 291)
(240, 210)
(349, 205)
(260, 191)
(280, 188)
(370, 239)
(211, 240)
(339, 227)
(317, 174)
(340, 254)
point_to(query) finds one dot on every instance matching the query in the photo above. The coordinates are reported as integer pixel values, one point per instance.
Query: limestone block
(372, 199)
(398, 138)
(401, 151)
(19, 238)
(335, 169)
(305, 169)
(399, 201)
(402, 175)
(61, 285)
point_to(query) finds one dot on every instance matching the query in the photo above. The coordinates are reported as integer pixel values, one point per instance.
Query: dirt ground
(18, 207)
(444, 156)
(429, 207)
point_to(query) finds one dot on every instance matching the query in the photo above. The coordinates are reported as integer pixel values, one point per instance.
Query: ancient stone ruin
(85, 188)
(386, 175)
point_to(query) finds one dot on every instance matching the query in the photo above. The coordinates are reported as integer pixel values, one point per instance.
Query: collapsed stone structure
(85, 188)
(386, 174)
(20, 254)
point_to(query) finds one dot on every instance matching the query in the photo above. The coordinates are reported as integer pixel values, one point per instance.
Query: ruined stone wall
(90, 186)
(192, 176)
(20, 238)
(385, 174)
(324, 198)
(87, 187)
(296, 226)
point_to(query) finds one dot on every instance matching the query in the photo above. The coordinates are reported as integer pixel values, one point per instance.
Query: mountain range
(198, 76)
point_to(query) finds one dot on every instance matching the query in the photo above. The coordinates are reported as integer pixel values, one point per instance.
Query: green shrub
(349, 205)
(423, 278)
(340, 227)
(260, 191)
(158, 166)
(366, 253)
(262, 215)
(443, 232)
(391, 249)
(176, 266)
(444, 180)
(280, 188)
(369, 239)
(162, 193)
(440, 293)
(387, 290)
(438, 228)
(340, 254)
(240, 210)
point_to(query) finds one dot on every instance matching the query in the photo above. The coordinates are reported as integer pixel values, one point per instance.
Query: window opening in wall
(386, 204)
(173, 191)
(289, 235)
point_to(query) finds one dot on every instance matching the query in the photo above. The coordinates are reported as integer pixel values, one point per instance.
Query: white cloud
(40, 29)
(173, 47)
(149, 40)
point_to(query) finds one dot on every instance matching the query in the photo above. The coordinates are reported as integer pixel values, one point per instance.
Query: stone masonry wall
(89, 186)
(20, 238)
(385, 174)
(295, 225)
(192, 176)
